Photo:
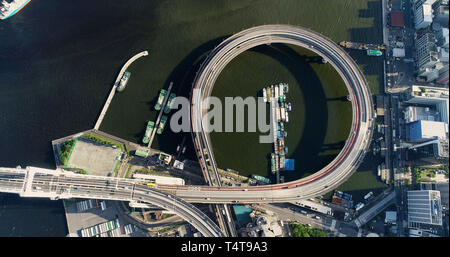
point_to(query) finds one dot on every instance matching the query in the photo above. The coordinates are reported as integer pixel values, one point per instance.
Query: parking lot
(97, 159)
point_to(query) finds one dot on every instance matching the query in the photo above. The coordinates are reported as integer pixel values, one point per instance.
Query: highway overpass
(322, 181)
(60, 184)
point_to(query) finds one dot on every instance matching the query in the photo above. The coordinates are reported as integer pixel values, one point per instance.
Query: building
(141, 153)
(314, 207)
(380, 105)
(431, 96)
(426, 51)
(425, 130)
(398, 52)
(424, 209)
(397, 19)
(415, 113)
(423, 16)
(178, 165)
(418, 3)
(443, 77)
(391, 217)
(442, 37)
(432, 60)
(160, 179)
(441, 187)
(429, 153)
(429, 74)
(440, 11)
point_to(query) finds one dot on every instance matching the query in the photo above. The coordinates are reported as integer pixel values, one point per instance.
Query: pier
(160, 115)
(274, 106)
(113, 90)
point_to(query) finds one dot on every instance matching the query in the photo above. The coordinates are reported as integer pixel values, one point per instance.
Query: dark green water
(58, 62)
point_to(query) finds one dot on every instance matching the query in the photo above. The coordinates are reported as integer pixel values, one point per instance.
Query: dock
(160, 115)
(113, 89)
(274, 107)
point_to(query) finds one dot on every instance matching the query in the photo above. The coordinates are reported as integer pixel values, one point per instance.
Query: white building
(423, 16)
(398, 52)
(391, 217)
(424, 130)
(160, 179)
(424, 209)
(434, 96)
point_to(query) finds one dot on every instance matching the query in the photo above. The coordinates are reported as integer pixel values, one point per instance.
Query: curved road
(336, 172)
(321, 181)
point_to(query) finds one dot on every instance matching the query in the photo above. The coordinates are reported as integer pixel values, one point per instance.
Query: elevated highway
(322, 181)
(59, 184)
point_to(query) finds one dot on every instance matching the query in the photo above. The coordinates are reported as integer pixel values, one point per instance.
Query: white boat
(287, 117)
(277, 93)
(9, 9)
(264, 95)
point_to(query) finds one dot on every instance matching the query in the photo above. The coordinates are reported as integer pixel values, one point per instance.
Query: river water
(58, 60)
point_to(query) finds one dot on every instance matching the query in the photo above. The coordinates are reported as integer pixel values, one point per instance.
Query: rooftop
(425, 91)
(424, 206)
(397, 19)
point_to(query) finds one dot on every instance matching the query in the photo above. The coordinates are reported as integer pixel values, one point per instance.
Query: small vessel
(162, 123)
(281, 88)
(269, 94)
(278, 114)
(282, 162)
(372, 52)
(184, 150)
(160, 101)
(277, 91)
(9, 9)
(148, 132)
(281, 146)
(283, 114)
(169, 102)
(287, 117)
(262, 179)
(272, 161)
(286, 88)
(289, 107)
(361, 46)
(264, 95)
(178, 148)
(286, 149)
(123, 81)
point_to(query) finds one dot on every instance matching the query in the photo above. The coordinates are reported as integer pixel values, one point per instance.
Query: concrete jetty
(113, 90)
(160, 115)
